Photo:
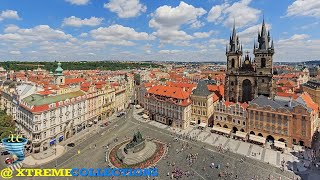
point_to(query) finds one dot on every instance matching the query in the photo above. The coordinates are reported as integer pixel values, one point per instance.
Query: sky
(154, 30)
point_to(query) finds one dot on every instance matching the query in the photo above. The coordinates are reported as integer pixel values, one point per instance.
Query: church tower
(234, 54)
(58, 75)
(263, 52)
(245, 79)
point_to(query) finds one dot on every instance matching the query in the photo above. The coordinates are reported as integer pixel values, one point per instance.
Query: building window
(232, 63)
(263, 62)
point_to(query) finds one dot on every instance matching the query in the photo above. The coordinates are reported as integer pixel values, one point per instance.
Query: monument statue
(136, 144)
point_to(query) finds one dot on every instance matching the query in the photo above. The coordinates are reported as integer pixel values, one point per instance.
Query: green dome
(59, 70)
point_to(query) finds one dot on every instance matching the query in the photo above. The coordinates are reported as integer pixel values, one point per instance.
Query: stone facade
(247, 79)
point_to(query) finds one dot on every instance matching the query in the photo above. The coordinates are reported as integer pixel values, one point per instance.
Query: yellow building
(202, 104)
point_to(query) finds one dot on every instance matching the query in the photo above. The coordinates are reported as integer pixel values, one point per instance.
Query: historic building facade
(202, 104)
(247, 79)
(169, 105)
(287, 120)
(230, 115)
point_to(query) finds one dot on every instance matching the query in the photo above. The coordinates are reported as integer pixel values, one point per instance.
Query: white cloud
(9, 14)
(304, 8)
(213, 43)
(77, 22)
(241, 12)
(119, 35)
(249, 34)
(15, 52)
(37, 33)
(202, 34)
(126, 8)
(166, 51)
(168, 20)
(11, 28)
(295, 47)
(173, 18)
(78, 2)
(294, 38)
(83, 34)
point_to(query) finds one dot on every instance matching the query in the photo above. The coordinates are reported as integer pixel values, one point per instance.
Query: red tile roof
(169, 91)
(309, 102)
(74, 81)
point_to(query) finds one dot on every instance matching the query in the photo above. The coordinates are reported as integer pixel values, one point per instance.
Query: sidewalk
(30, 161)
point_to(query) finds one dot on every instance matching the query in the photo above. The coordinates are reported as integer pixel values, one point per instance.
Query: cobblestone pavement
(207, 154)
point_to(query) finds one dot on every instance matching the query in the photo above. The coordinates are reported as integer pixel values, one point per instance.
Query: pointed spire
(234, 34)
(272, 46)
(226, 48)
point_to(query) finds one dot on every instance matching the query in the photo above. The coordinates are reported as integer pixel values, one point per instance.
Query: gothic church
(247, 79)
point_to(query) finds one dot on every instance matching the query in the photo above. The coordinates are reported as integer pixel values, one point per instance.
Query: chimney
(290, 101)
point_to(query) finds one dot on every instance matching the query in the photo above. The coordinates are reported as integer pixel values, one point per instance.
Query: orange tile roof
(169, 91)
(45, 92)
(228, 103)
(309, 102)
(215, 97)
(74, 80)
(244, 105)
(284, 94)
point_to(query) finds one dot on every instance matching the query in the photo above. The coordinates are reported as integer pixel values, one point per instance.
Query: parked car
(71, 144)
(121, 114)
(1, 145)
(3, 153)
(9, 161)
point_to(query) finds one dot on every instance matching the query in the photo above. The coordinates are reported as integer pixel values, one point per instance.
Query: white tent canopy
(241, 134)
(138, 106)
(145, 116)
(258, 139)
(203, 125)
(193, 122)
(279, 144)
(220, 129)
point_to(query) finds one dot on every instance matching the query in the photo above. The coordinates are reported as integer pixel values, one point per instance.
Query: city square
(209, 162)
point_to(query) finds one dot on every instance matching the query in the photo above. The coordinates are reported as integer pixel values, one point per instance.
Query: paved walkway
(31, 161)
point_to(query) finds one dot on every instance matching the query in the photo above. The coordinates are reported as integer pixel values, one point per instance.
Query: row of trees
(80, 65)
(7, 125)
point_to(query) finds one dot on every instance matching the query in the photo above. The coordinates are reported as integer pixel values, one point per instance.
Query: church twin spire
(264, 40)
(234, 43)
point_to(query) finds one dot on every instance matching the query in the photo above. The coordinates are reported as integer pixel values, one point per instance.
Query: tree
(7, 125)
(163, 79)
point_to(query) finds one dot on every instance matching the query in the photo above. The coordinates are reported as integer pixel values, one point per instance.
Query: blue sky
(190, 30)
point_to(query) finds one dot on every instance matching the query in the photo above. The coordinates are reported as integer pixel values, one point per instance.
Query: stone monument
(136, 144)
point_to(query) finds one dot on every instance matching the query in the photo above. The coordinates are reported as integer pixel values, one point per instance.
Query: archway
(234, 129)
(251, 132)
(246, 91)
(218, 124)
(301, 143)
(225, 126)
(270, 138)
(260, 135)
(242, 130)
